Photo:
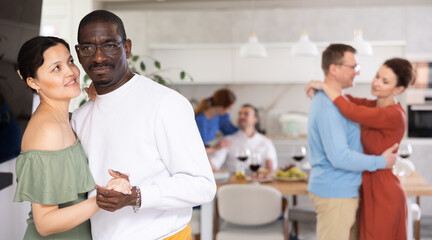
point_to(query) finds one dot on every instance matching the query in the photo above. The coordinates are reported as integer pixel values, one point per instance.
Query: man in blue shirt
(335, 151)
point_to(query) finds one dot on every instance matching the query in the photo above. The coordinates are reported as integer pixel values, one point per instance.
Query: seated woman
(212, 116)
(52, 168)
(382, 211)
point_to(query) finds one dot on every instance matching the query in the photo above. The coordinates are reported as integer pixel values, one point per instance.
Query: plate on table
(261, 179)
(293, 179)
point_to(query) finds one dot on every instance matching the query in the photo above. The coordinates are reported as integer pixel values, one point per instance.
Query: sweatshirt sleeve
(182, 151)
(375, 117)
(271, 154)
(335, 143)
(218, 158)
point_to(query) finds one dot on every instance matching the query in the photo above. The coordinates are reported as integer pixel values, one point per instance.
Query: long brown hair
(222, 97)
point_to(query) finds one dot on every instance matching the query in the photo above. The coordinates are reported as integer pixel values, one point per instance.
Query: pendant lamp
(363, 47)
(304, 46)
(253, 48)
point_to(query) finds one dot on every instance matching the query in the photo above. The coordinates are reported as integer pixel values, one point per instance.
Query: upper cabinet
(219, 64)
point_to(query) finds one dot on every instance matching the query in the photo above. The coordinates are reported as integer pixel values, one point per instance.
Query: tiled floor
(307, 231)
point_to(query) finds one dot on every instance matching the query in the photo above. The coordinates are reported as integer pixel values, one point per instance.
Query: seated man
(249, 137)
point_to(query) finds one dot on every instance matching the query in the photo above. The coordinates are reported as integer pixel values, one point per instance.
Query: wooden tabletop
(414, 185)
(286, 188)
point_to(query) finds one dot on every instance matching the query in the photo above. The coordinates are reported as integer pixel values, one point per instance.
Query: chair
(251, 212)
(415, 211)
(302, 214)
(195, 224)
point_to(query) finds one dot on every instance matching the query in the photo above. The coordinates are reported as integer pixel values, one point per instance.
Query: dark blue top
(10, 135)
(209, 128)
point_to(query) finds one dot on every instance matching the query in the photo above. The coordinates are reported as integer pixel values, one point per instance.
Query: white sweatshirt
(149, 131)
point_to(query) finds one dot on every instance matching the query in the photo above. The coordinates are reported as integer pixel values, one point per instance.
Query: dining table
(414, 185)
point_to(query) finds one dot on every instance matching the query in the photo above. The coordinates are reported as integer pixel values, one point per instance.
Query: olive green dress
(54, 177)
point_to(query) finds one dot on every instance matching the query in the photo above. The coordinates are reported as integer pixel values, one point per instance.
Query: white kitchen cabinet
(220, 64)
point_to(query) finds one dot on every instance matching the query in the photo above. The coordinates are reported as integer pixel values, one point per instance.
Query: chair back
(246, 204)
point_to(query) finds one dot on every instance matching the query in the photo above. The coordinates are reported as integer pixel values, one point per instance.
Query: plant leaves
(157, 64)
(142, 66)
(135, 58)
(82, 102)
(182, 75)
(86, 78)
(159, 79)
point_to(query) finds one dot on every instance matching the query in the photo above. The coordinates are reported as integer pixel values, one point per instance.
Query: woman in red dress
(382, 211)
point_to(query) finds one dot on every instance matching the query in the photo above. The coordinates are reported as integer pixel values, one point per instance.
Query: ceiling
(239, 4)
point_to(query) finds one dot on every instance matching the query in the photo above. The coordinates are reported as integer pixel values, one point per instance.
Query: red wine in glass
(242, 158)
(298, 154)
(298, 158)
(405, 150)
(254, 167)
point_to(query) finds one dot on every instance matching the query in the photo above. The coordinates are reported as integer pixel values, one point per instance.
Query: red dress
(382, 211)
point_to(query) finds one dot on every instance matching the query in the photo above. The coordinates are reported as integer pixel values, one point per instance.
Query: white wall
(153, 30)
(407, 23)
(220, 64)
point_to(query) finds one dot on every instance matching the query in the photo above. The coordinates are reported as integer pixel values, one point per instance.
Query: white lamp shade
(253, 48)
(363, 47)
(304, 46)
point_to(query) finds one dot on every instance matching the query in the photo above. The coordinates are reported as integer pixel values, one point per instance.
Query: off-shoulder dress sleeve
(375, 117)
(53, 177)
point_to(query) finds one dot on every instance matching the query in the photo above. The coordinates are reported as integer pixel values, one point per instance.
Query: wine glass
(299, 152)
(405, 150)
(242, 154)
(255, 163)
(403, 165)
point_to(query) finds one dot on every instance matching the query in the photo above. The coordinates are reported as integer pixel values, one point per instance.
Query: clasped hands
(117, 193)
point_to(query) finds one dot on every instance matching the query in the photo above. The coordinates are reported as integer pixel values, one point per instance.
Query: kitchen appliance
(419, 106)
(294, 124)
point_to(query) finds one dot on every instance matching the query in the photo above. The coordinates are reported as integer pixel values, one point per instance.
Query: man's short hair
(251, 106)
(103, 16)
(334, 54)
(255, 110)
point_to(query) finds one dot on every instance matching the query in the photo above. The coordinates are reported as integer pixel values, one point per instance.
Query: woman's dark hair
(222, 97)
(103, 16)
(403, 70)
(30, 56)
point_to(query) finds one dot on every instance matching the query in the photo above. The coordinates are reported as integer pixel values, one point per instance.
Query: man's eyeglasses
(109, 48)
(356, 67)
